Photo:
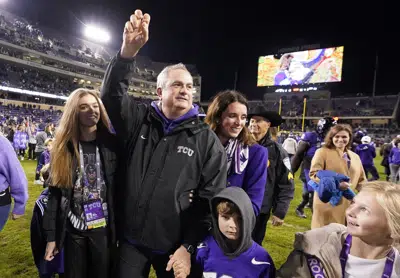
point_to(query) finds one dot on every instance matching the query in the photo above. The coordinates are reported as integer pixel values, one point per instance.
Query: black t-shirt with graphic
(92, 191)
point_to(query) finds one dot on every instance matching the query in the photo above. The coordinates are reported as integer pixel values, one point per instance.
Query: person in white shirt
(290, 145)
(367, 247)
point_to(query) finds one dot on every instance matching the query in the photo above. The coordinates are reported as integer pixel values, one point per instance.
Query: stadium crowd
(129, 185)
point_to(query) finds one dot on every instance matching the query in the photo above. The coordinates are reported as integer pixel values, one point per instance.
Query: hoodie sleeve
(121, 107)
(50, 213)
(295, 266)
(357, 150)
(373, 151)
(255, 177)
(202, 254)
(11, 168)
(197, 219)
(270, 270)
(390, 156)
(299, 155)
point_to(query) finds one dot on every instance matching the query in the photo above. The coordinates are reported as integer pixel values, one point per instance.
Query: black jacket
(279, 189)
(161, 170)
(38, 240)
(59, 203)
(385, 152)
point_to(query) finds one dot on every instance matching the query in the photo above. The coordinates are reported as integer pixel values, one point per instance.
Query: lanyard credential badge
(92, 207)
(94, 214)
(317, 270)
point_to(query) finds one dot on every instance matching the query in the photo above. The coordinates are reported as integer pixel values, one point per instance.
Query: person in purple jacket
(45, 156)
(394, 161)
(230, 250)
(247, 161)
(13, 183)
(20, 141)
(366, 151)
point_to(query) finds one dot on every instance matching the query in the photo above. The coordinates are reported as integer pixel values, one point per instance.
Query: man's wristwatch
(189, 248)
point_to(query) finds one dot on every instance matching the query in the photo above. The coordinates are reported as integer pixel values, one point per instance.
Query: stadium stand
(66, 61)
(39, 60)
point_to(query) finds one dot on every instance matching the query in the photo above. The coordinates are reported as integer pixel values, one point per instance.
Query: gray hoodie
(40, 139)
(240, 198)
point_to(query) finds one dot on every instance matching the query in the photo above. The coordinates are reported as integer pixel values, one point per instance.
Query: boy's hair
(48, 141)
(388, 196)
(227, 208)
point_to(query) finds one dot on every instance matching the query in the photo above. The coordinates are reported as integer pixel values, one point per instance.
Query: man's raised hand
(136, 34)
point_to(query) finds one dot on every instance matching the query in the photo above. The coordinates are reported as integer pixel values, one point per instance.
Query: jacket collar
(194, 125)
(324, 243)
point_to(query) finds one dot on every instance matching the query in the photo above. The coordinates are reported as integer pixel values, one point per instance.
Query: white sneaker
(38, 182)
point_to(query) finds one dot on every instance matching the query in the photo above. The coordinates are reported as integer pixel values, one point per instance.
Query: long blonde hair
(388, 196)
(68, 133)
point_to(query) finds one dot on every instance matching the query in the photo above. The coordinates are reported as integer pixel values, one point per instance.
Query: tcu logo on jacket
(186, 150)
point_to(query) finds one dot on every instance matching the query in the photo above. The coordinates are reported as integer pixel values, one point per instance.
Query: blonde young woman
(336, 156)
(367, 247)
(79, 215)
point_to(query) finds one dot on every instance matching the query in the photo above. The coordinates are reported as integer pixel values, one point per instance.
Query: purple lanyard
(387, 271)
(317, 270)
(347, 159)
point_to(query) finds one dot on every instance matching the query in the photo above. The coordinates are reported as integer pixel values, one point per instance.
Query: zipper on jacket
(147, 203)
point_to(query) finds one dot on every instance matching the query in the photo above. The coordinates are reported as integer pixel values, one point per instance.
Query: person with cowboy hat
(279, 189)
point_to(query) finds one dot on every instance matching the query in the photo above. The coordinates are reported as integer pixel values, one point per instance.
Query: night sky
(221, 37)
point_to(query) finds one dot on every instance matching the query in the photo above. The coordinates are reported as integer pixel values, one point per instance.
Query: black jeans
(86, 254)
(387, 172)
(38, 154)
(51, 276)
(308, 197)
(31, 151)
(136, 261)
(22, 152)
(371, 169)
(261, 227)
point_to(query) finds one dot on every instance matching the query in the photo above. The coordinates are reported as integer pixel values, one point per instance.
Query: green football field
(15, 253)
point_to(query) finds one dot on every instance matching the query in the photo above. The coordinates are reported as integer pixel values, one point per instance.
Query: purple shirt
(367, 153)
(394, 156)
(170, 125)
(20, 140)
(254, 178)
(253, 263)
(12, 175)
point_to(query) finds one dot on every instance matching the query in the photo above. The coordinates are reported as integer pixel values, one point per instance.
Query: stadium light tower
(96, 34)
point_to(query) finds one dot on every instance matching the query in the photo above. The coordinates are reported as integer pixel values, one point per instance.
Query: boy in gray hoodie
(230, 250)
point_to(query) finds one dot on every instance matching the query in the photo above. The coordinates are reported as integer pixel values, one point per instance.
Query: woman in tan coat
(336, 156)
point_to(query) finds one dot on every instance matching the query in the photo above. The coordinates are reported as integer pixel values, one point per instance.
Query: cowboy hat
(274, 118)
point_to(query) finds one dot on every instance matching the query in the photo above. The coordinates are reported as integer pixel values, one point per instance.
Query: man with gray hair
(169, 155)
